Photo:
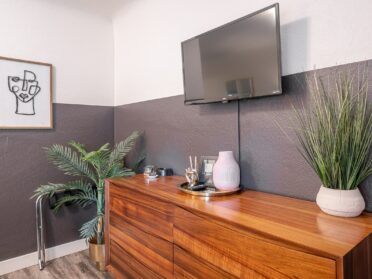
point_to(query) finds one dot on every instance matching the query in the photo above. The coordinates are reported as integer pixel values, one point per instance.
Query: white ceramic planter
(343, 203)
(226, 172)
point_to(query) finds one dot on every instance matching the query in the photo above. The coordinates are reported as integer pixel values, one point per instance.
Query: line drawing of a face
(25, 89)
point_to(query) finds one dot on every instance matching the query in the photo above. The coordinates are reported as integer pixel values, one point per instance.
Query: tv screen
(238, 60)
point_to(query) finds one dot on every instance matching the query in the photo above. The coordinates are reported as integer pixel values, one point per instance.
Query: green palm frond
(94, 166)
(118, 171)
(79, 147)
(123, 148)
(53, 188)
(99, 159)
(97, 155)
(140, 159)
(69, 162)
(128, 172)
(89, 229)
(82, 199)
(115, 171)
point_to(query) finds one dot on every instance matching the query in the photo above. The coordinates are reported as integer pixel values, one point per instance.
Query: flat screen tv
(238, 60)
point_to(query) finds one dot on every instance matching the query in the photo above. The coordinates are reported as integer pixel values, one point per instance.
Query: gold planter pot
(97, 254)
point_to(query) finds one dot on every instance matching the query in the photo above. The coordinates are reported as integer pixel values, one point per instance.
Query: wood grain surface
(190, 267)
(227, 248)
(153, 252)
(248, 235)
(298, 223)
(155, 218)
(123, 265)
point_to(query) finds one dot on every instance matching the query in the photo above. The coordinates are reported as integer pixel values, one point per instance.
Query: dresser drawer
(145, 200)
(124, 266)
(190, 267)
(242, 255)
(149, 219)
(153, 252)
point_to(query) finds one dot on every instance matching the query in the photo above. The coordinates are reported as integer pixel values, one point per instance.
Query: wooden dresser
(155, 231)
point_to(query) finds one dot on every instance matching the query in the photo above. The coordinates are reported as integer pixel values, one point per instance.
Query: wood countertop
(299, 224)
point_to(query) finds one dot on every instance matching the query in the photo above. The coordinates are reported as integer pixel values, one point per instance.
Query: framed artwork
(26, 94)
(206, 169)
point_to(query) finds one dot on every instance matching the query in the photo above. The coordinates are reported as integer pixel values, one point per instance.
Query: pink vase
(226, 172)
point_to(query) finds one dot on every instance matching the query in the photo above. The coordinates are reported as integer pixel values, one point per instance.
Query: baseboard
(31, 259)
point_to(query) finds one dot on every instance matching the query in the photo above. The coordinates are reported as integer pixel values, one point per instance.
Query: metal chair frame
(40, 236)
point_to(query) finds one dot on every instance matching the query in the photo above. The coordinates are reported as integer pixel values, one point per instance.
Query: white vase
(226, 172)
(343, 203)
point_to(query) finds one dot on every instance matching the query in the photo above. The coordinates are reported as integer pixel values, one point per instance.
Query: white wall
(148, 33)
(145, 37)
(79, 44)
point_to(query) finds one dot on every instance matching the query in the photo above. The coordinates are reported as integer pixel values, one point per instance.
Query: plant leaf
(69, 162)
(83, 199)
(89, 229)
(123, 148)
(53, 188)
(336, 134)
(79, 147)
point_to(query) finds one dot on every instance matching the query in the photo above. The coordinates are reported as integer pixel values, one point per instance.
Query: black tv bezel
(278, 41)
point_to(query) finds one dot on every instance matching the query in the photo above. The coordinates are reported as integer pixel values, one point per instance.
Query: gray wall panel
(174, 131)
(24, 166)
(270, 161)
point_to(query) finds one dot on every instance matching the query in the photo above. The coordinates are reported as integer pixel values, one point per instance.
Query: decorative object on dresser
(203, 190)
(226, 172)
(159, 232)
(203, 187)
(150, 170)
(336, 137)
(343, 203)
(206, 169)
(27, 94)
(92, 168)
(164, 171)
(192, 173)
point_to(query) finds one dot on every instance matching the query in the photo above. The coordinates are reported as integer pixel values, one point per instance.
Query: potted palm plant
(91, 168)
(335, 137)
